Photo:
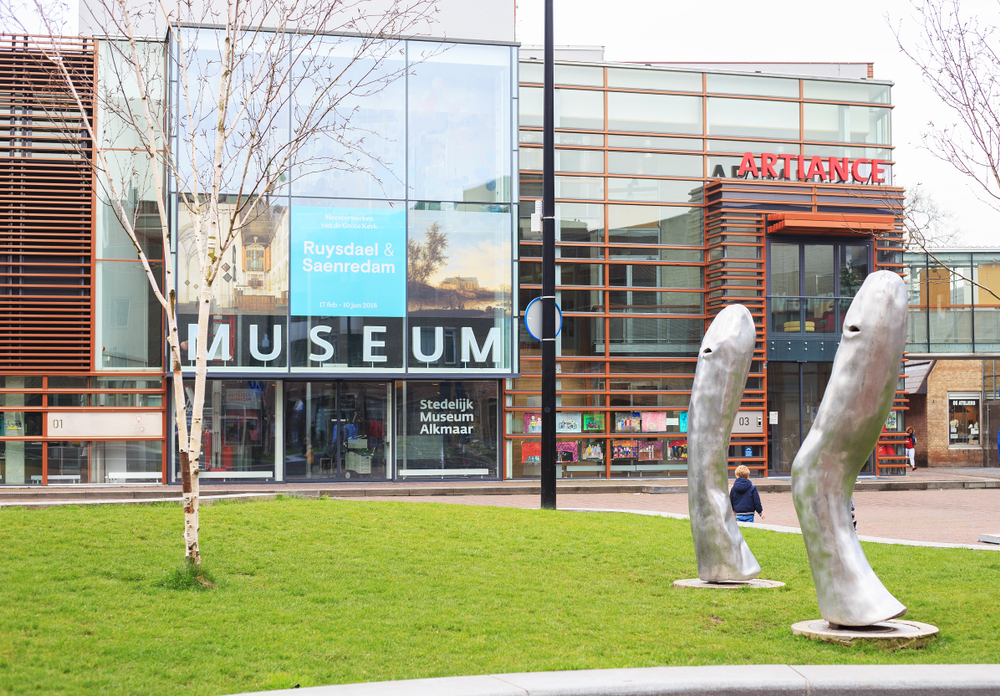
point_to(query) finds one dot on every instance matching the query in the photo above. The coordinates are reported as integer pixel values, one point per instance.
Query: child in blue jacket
(744, 497)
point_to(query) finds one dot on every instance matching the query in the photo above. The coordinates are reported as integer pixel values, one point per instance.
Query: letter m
(221, 341)
(469, 345)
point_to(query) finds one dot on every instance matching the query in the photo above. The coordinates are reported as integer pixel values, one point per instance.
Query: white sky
(848, 31)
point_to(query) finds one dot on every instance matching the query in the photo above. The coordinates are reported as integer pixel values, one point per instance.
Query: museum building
(680, 189)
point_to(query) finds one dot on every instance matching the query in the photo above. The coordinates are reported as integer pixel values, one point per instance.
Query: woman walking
(910, 447)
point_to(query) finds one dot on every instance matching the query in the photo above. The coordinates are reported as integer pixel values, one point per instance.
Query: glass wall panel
(848, 151)
(641, 302)
(132, 177)
(642, 142)
(655, 190)
(459, 286)
(753, 85)
(447, 430)
(21, 463)
(853, 268)
(580, 187)
(818, 271)
(579, 109)
(641, 224)
(530, 158)
(581, 336)
(652, 276)
(963, 420)
(531, 71)
(367, 159)
(20, 423)
(589, 161)
(753, 118)
(638, 337)
(118, 462)
(664, 80)
(872, 93)
(654, 164)
(531, 106)
(579, 222)
(336, 430)
(249, 326)
(238, 440)
(578, 75)
(654, 113)
(459, 122)
(741, 146)
(129, 319)
(326, 343)
(784, 269)
(849, 124)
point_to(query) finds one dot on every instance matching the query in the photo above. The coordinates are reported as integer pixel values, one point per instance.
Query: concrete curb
(729, 680)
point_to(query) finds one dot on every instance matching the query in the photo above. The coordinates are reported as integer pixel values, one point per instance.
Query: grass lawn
(323, 592)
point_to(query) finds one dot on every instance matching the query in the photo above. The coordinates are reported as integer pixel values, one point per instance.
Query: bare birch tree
(266, 92)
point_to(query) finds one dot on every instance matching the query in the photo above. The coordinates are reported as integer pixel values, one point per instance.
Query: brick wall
(916, 418)
(947, 376)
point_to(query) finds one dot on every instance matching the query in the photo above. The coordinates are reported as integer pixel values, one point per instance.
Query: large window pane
(642, 224)
(785, 269)
(129, 317)
(105, 462)
(653, 276)
(447, 430)
(818, 272)
(579, 109)
(654, 113)
(459, 123)
(665, 80)
(753, 85)
(753, 118)
(459, 274)
(21, 463)
(654, 190)
(848, 124)
(238, 436)
(653, 164)
(853, 268)
(367, 159)
(580, 187)
(637, 337)
(846, 91)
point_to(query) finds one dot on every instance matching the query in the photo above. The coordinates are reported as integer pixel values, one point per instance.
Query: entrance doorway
(794, 391)
(336, 431)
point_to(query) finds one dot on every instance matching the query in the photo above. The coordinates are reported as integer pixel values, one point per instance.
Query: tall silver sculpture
(723, 366)
(851, 416)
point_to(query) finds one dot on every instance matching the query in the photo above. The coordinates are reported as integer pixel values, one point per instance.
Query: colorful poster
(678, 449)
(532, 422)
(568, 422)
(684, 422)
(531, 452)
(348, 262)
(593, 422)
(593, 452)
(654, 422)
(628, 422)
(890, 422)
(567, 451)
(651, 451)
(624, 449)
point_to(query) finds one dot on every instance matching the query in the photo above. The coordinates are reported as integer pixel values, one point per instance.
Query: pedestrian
(744, 497)
(910, 447)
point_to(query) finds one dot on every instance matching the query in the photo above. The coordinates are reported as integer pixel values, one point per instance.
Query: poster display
(624, 449)
(593, 422)
(628, 422)
(532, 422)
(531, 452)
(568, 422)
(651, 451)
(567, 451)
(348, 262)
(593, 452)
(654, 421)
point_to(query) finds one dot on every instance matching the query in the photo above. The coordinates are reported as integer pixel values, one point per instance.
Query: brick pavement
(956, 516)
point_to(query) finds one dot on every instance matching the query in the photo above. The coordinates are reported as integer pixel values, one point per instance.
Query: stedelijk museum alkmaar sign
(348, 262)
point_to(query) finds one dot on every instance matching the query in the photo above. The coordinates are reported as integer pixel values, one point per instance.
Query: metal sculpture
(857, 401)
(723, 365)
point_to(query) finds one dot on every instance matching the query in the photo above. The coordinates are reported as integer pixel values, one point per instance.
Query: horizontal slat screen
(46, 206)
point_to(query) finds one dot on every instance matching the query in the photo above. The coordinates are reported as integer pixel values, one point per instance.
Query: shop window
(963, 420)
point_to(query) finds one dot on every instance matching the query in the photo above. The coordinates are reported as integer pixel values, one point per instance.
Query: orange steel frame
(48, 259)
(721, 285)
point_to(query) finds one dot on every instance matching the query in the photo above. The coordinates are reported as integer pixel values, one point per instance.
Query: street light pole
(548, 275)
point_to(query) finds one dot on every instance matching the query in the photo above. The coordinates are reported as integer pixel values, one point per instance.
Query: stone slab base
(732, 585)
(894, 634)
(990, 538)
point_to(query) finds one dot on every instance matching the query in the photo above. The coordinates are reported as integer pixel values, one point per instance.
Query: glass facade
(656, 231)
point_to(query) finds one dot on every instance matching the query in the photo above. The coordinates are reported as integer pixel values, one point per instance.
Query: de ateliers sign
(831, 169)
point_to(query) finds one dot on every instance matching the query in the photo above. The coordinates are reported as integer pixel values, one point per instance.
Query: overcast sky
(849, 31)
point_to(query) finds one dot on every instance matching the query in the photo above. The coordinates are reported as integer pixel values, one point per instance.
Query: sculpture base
(729, 585)
(894, 634)
(989, 538)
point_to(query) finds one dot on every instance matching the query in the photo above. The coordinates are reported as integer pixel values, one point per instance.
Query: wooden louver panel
(46, 206)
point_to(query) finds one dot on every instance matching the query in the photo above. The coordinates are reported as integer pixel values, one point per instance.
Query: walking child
(744, 497)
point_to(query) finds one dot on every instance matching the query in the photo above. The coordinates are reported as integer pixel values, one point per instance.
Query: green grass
(322, 592)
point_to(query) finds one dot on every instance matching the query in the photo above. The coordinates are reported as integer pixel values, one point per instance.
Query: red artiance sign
(830, 169)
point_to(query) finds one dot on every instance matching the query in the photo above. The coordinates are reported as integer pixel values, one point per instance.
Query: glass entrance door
(794, 391)
(336, 431)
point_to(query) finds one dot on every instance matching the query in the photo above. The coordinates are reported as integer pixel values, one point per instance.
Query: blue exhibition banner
(348, 262)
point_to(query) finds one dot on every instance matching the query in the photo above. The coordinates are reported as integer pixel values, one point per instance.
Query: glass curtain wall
(634, 149)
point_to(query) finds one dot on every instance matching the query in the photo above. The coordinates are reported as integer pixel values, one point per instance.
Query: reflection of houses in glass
(460, 283)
